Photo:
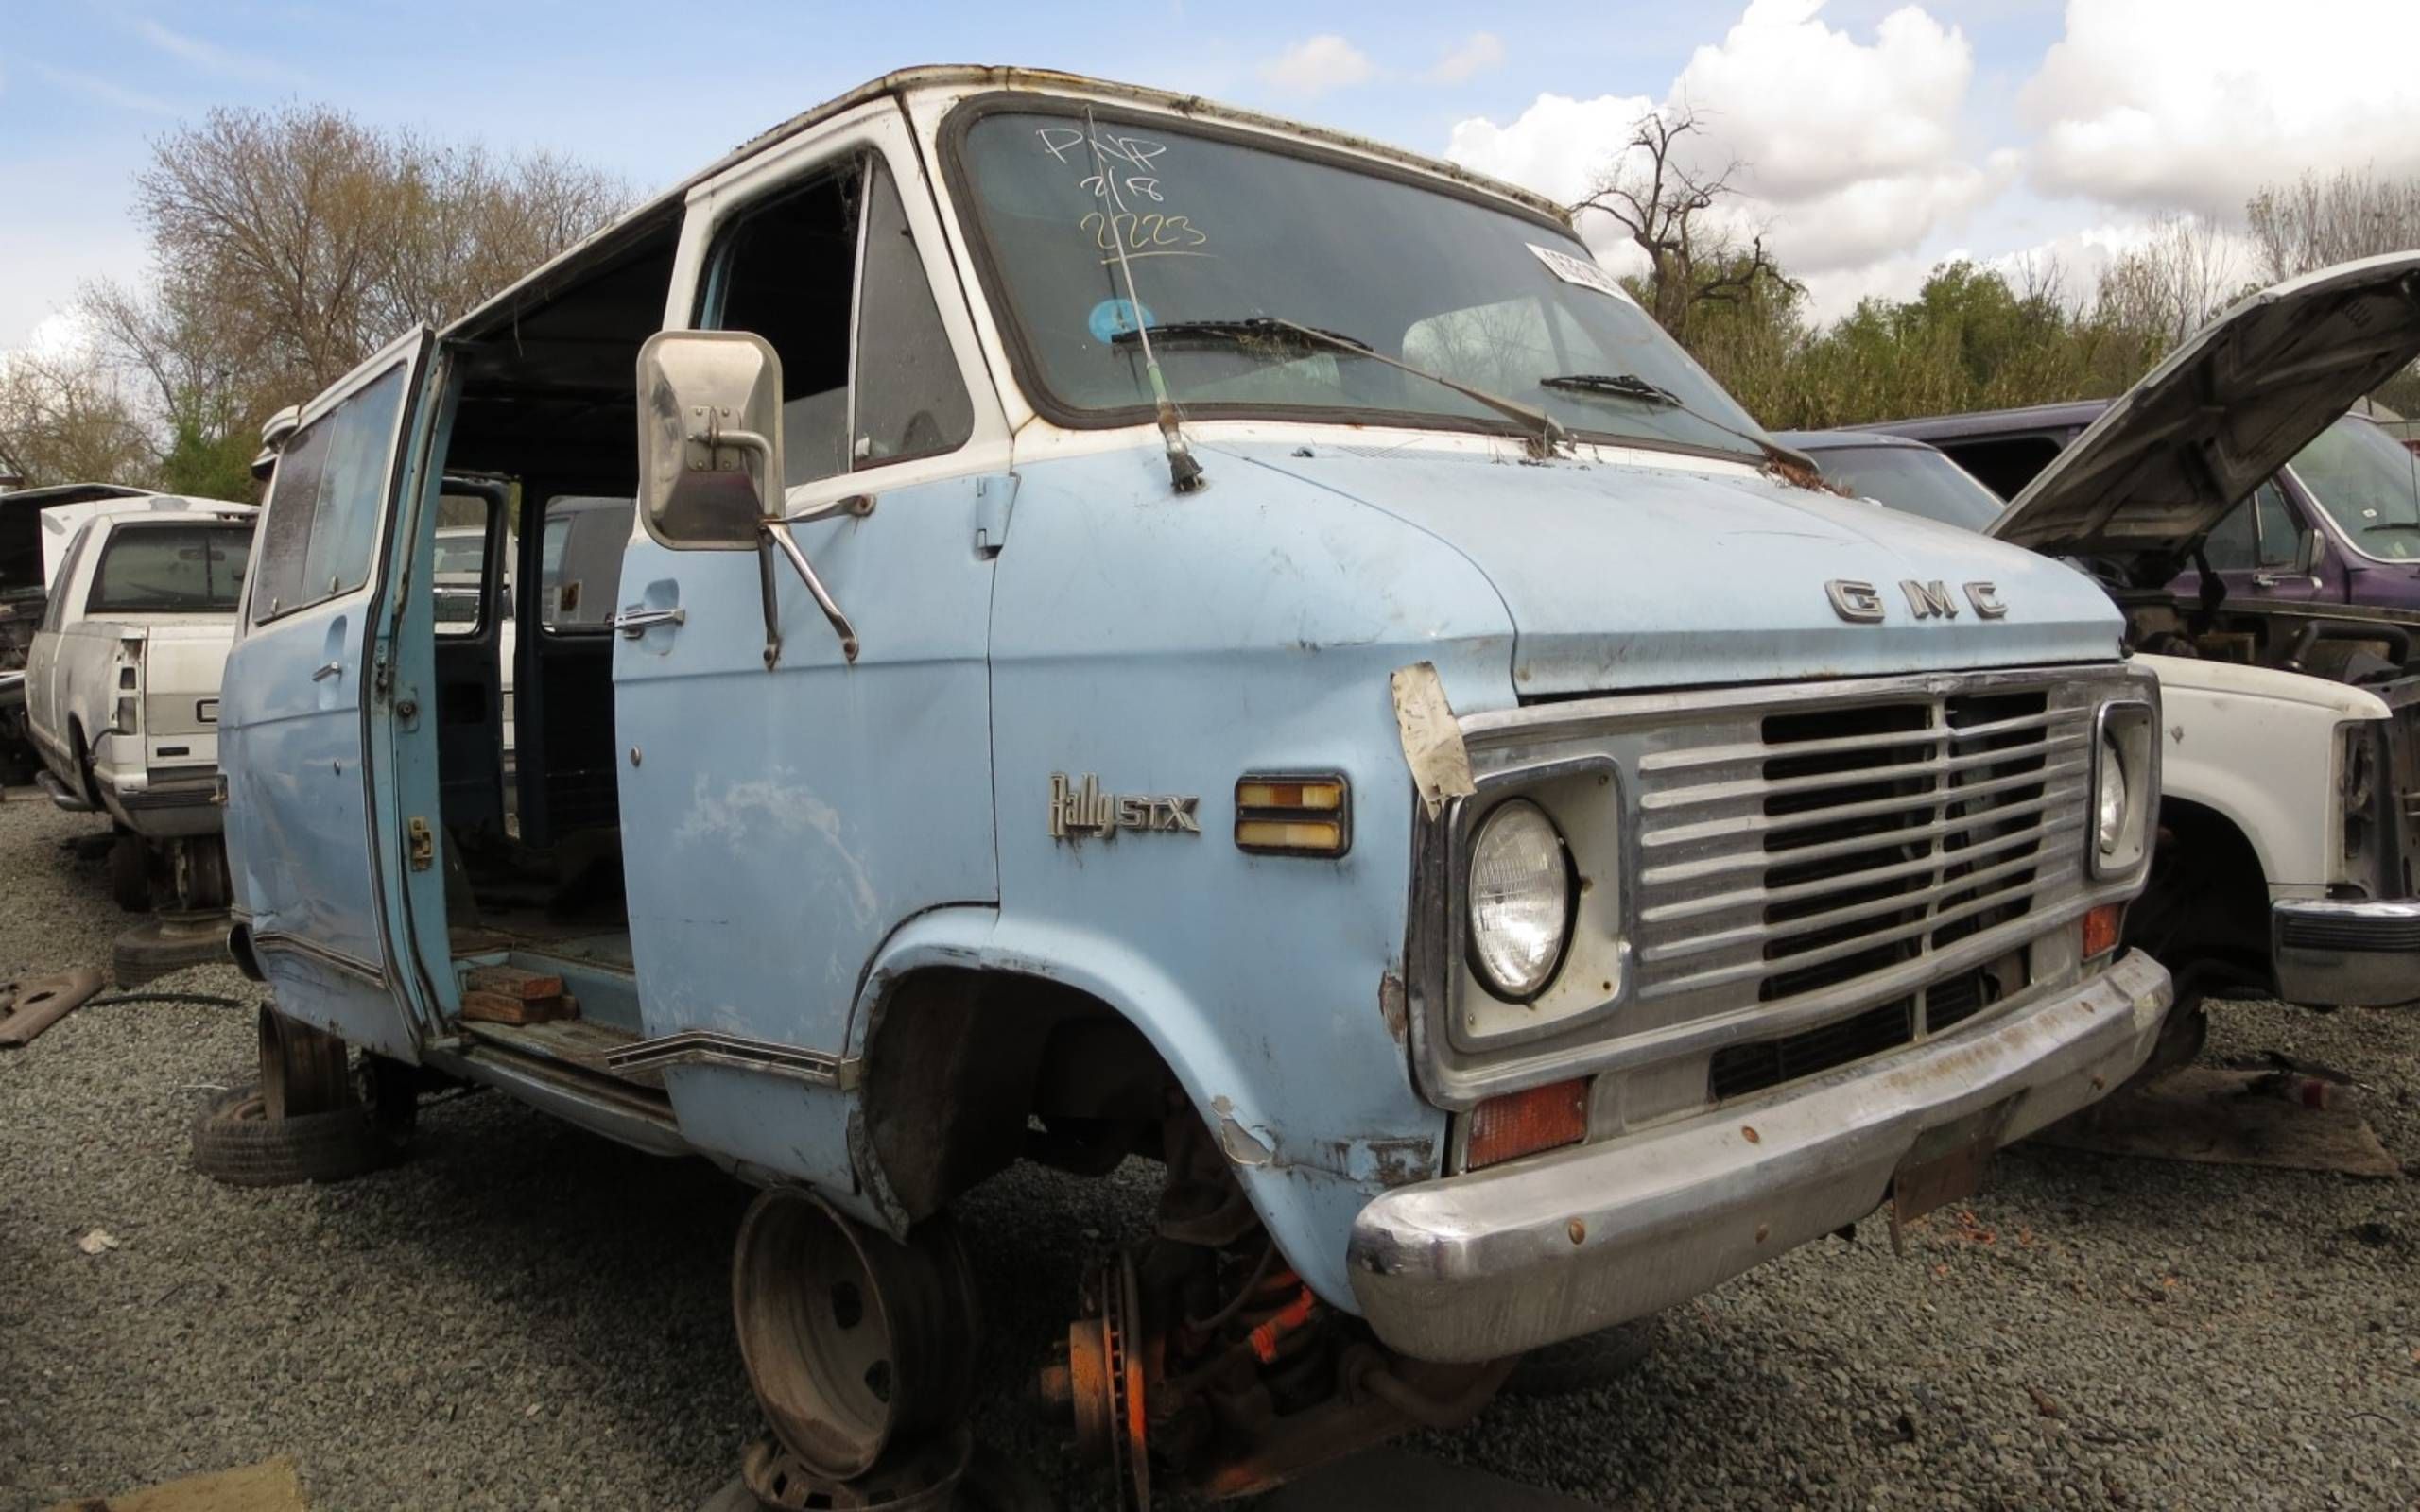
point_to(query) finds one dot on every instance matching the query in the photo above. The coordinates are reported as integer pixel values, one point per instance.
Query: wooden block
(498, 1007)
(514, 981)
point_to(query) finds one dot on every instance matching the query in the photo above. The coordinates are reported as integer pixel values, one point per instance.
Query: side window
(912, 400)
(2281, 534)
(2230, 546)
(55, 608)
(787, 273)
(322, 533)
(2004, 465)
(458, 573)
(807, 270)
(580, 562)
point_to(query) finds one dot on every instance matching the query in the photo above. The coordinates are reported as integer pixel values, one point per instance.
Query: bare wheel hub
(856, 1343)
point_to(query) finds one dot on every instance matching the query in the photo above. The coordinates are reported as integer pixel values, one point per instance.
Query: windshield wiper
(1547, 433)
(1794, 466)
(1623, 385)
(2392, 525)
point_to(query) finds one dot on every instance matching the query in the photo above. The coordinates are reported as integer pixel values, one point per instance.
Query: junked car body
(123, 684)
(2317, 786)
(2267, 789)
(1155, 629)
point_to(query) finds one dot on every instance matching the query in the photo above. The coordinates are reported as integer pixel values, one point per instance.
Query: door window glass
(791, 272)
(181, 569)
(580, 562)
(55, 609)
(911, 401)
(787, 275)
(457, 570)
(322, 534)
(2229, 546)
(2281, 532)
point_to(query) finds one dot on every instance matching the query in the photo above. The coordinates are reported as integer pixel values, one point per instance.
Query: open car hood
(22, 569)
(2224, 411)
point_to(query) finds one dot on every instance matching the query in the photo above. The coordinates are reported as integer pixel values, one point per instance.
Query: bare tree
(2163, 291)
(2314, 222)
(288, 245)
(64, 419)
(1664, 204)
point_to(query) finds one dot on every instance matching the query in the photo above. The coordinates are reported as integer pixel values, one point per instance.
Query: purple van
(2338, 524)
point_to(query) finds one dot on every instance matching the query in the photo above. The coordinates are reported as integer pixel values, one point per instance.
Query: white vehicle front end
(2335, 859)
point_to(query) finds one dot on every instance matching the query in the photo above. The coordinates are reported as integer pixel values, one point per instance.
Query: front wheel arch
(2204, 912)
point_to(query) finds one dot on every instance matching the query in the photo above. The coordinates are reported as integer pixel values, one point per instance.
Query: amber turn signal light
(2100, 929)
(1294, 815)
(1517, 1124)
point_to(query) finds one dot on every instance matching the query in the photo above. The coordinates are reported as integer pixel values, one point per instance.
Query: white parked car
(121, 684)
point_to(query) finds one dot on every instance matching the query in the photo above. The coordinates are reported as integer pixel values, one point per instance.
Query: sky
(1873, 140)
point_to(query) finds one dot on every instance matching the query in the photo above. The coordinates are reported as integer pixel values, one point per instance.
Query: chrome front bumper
(2348, 954)
(1478, 1266)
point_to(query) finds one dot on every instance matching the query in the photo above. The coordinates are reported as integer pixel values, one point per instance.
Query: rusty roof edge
(898, 83)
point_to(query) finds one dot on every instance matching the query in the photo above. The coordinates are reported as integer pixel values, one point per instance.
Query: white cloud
(1847, 151)
(1318, 64)
(2179, 104)
(1557, 146)
(1481, 52)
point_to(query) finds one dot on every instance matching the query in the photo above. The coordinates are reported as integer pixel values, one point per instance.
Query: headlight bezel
(2127, 731)
(1509, 810)
(1586, 798)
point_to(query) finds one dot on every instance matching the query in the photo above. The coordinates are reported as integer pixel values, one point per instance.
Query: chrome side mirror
(710, 437)
(710, 462)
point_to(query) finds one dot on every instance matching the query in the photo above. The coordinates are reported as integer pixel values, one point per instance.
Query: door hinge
(382, 672)
(422, 844)
(996, 498)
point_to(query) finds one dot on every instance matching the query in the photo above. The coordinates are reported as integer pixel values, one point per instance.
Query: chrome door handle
(328, 671)
(633, 622)
(2264, 580)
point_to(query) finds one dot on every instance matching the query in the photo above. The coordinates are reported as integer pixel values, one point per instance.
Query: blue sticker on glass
(1114, 317)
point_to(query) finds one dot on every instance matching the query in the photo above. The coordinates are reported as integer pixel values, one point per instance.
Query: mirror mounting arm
(776, 534)
(772, 613)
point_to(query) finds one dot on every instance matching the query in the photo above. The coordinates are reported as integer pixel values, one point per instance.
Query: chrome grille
(1794, 856)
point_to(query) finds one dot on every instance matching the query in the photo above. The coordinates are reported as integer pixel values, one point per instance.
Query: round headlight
(1520, 900)
(2110, 802)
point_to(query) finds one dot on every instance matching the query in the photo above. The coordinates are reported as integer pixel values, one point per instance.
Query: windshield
(1216, 231)
(1912, 480)
(172, 569)
(2369, 483)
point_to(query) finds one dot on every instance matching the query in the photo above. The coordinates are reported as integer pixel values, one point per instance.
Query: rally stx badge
(1078, 808)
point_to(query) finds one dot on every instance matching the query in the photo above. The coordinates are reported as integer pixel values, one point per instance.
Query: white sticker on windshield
(1586, 274)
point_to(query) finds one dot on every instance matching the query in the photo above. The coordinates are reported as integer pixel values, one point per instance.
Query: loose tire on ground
(167, 944)
(235, 1142)
(1585, 1363)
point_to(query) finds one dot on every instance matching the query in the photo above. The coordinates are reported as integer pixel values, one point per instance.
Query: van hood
(1620, 575)
(2227, 409)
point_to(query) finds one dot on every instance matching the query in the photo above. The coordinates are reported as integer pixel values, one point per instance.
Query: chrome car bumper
(1478, 1266)
(2349, 954)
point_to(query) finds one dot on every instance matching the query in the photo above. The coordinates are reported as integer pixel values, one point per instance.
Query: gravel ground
(524, 1316)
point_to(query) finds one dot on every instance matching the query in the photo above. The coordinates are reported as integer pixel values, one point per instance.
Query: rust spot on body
(1394, 1008)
